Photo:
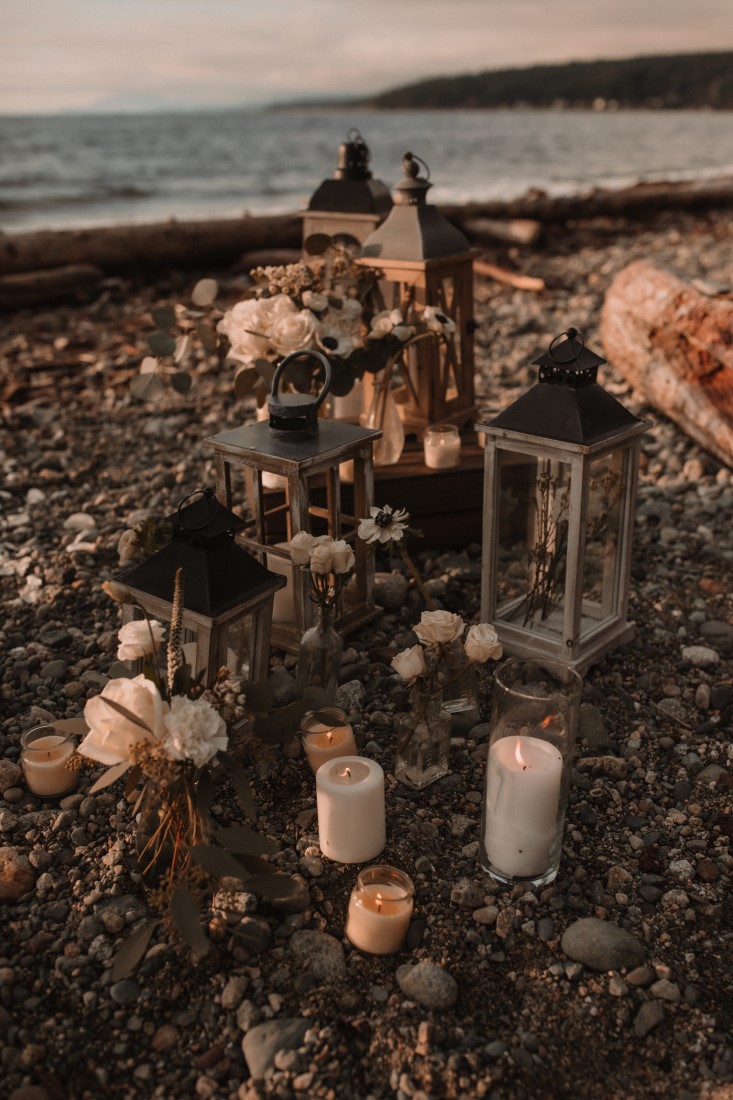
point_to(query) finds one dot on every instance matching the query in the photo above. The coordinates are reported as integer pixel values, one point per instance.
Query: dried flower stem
(415, 575)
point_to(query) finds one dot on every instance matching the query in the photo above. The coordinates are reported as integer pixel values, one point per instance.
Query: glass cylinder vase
(319, 656)
(423, 738)
(534, 722)
(459, 680)
(169, 822)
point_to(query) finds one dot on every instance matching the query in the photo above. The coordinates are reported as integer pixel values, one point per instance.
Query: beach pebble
(601, 945)
(647, 1018)
(317, 954)
(10, 775)
(351, 696)
(264, 1041)
(390, 590)
(700, 656)
(17, 877)
(428, 984)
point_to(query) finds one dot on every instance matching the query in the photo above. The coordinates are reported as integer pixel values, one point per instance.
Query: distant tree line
(675, 80)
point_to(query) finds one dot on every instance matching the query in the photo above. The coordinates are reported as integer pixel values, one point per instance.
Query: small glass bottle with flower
(423, 735)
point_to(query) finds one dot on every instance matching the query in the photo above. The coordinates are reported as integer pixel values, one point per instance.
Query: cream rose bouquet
(172, 740)
(329, 562)
(444, 658)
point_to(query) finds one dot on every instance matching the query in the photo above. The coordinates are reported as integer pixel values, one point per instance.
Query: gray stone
(351, 697)
(648, 1017)
(10, 775)
(390, 590)
(283, 687)
(601, 945)
(318, 954)
(467, 894)
(592, 728)
(125, 992)
(54, 670)
(233, 992)
(719, 635)
(665, 990)
(701, 656)
(429, 985)
(262, 1042)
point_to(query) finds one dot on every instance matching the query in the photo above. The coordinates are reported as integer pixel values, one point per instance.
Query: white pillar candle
(283, 607)
(350, 801)
(44, 756)
(323, 742)
(524, 776)
(380, 908)
(442, 446)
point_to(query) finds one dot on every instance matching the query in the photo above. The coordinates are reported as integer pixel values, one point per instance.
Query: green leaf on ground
(132, 950)
(185, 913)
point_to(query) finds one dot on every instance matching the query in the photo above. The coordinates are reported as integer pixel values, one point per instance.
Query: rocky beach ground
(614, 981)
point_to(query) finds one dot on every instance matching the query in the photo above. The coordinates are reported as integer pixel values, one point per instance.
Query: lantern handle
(411, 166)
(572, 334)
(305, 353)
(206, 492)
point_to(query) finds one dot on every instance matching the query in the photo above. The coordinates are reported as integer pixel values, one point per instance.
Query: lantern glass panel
(237, 646)
(601, 573)
(534, 505)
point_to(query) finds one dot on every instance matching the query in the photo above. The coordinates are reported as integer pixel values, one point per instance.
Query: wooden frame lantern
(422, 260)
(561, 468)
(299, 455)
(227, 594)
(351, 204)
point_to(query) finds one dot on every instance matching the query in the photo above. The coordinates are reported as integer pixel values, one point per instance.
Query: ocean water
(76, 171)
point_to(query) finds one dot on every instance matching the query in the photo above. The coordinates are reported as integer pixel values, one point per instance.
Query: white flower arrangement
(436, 631)
(330, 563)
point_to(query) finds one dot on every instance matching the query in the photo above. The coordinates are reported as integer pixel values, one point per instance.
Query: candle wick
(347, 773)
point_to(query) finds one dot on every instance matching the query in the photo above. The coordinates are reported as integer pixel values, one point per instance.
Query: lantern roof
(414, 228)
(567, 404)
(218, 574)
(352, 189)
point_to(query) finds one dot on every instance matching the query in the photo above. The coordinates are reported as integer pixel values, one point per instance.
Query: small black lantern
(561, 469)
(352, 203)
(294, 416)
(227, 594)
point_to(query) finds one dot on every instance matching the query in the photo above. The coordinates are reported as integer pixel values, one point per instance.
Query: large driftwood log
(674, 345)
(146, 247)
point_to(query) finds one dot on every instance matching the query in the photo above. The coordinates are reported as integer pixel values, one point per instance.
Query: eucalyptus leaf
(110, 776)
(185, 913)
(217, 862)
(125, 713)
(261, 394)
(317, 244)
(204, 292)
(258, 697)
(164, 317)
(273, 886)
(207, 336)
(342, 379)
(181, 381)
(266, 370)
(238, 777)
(149, 365)
(132, 779)
(183, 344)
(271, 728)
(242, 840)
(132, 950)
(245, 381)
(147, 387)
(254, 865)
(205, 792)
(161, 343)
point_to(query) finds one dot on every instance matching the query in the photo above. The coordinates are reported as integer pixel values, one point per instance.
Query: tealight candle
(380, 908)
(326, 735)
(44, 755)
(442, 446)
(523, 781)
(350, 801)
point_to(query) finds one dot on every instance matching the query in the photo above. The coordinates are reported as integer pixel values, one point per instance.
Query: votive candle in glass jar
(533, 726)
(44, 754)
(326, 735)
(442, 446)
(380, 908)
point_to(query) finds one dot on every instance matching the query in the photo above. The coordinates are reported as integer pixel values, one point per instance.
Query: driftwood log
(675, 346)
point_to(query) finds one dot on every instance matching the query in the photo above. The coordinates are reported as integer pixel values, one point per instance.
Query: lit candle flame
(379, 902)
(346, 773)
(547, 721)
(329, 735)
(518, 755)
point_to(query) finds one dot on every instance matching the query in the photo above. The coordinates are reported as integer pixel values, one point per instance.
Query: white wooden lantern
(561, 469)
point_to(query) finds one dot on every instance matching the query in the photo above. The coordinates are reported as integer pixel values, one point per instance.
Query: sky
(117, 55)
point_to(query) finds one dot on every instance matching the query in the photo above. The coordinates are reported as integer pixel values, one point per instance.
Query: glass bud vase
(423, 739)
(384, 416)
(168, 823)
(319, 656)
(460, 681)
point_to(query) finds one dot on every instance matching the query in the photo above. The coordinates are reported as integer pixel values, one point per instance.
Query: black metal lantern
(294, 416)
(423, 260)
(227, 594)
(561, 468)
(351, 204)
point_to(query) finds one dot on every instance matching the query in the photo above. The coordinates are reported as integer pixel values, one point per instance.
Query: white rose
(293, 331)
(195, 730)
(315, 301)
(439, 627)
(111, 736)
(343, 559)
(300, 548)
(246, 325)
(321, 559)
(482, 644)
(139, 639)
(410, 663)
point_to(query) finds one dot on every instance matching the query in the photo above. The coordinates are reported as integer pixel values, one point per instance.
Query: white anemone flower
(384, 525)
